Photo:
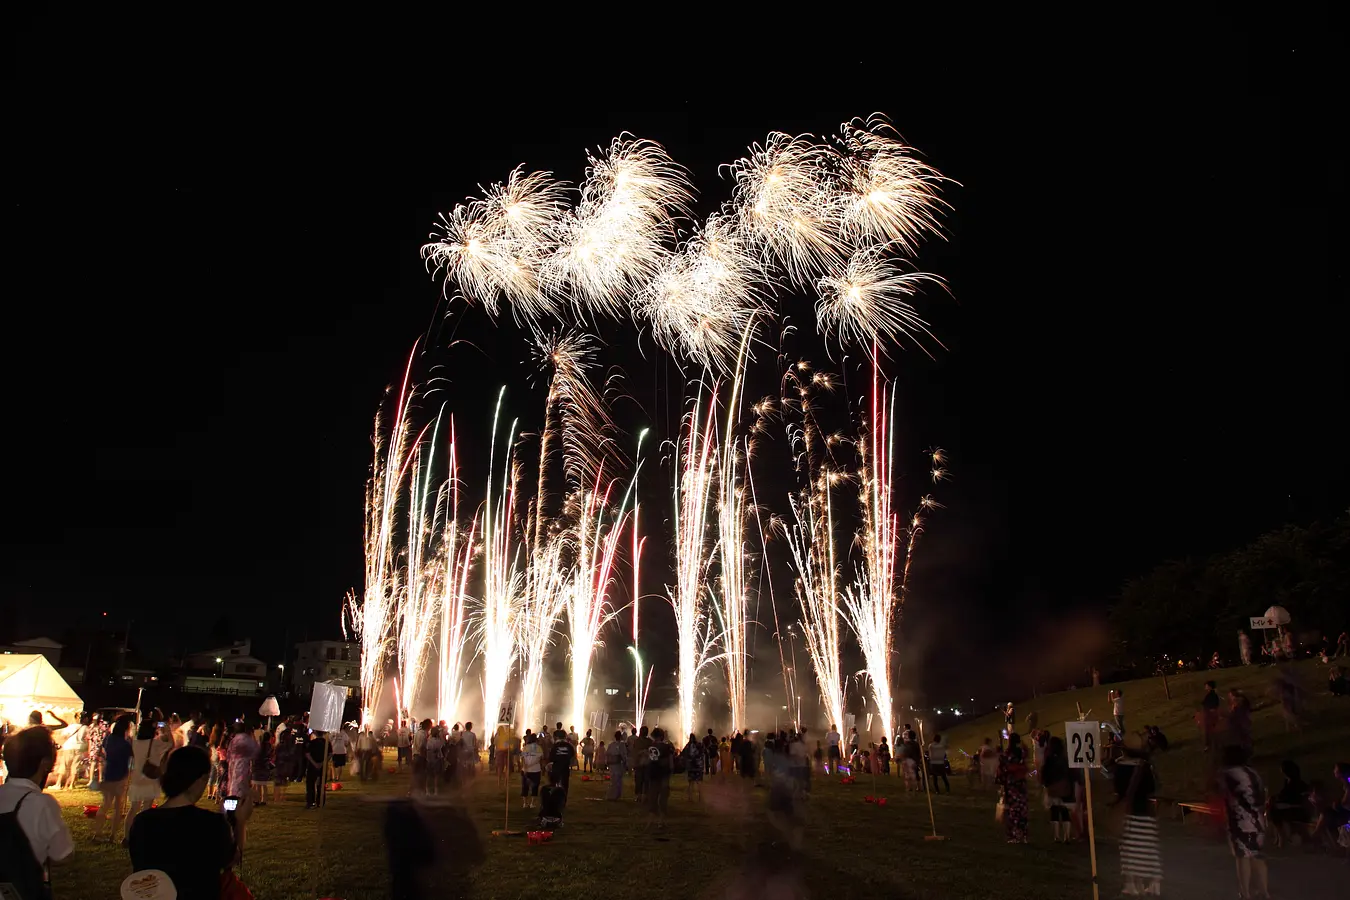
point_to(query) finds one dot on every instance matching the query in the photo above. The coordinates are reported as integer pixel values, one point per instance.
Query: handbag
(151, 770)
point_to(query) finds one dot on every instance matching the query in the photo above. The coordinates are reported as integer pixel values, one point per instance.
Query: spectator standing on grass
(563, 757)
(660, 765)
(1012, 776)
(98, 732)
(339, 739)
(191, 845)
(241, 753)
(264, 768)
(693, 767)
(1245, 648)
(937, 764)
(29, 757)
(1059, 790)
(116, 773)
(1117, 698)
(988, 757)
(74, 748)
(1209, 713)
(315, 753)
(1244, 797)
(531, 762)
(1135, 784)
(1240, 719)
(641, 760)
(588, 752)
(148, 753)
(468, 752)
(616, 759)
(832, 739)
(403, 741)
(710, 753)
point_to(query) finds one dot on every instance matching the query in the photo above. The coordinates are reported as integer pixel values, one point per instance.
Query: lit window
(611, 691)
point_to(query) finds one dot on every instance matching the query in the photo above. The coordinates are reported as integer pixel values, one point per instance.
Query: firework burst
(617, 237)
(497, 247)
(868, 303)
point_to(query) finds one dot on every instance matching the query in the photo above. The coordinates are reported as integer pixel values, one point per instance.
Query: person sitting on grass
(190, 844)
(1290, 808)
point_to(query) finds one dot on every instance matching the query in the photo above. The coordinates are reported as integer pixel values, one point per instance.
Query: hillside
(1183, 769)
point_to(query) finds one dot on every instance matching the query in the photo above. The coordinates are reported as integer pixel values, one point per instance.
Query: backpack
(18, 866)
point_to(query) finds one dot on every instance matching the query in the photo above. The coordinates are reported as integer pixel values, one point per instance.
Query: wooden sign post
(1081, 741)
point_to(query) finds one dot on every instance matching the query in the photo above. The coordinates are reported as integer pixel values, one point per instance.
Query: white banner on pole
(1263, 623)
(325, 707)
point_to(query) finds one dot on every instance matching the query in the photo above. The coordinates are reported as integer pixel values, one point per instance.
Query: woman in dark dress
(1012, 776)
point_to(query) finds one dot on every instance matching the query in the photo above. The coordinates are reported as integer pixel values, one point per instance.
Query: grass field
(724, 846)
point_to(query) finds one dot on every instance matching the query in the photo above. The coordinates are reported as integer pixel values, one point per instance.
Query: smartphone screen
(231, 804)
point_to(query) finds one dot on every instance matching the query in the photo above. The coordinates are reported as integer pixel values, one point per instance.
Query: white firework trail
(373, 617)
(811, 541)
(419, 598)
(599, 535)
(457, 554)
(731, 600)
(498, 619)
(695, 476)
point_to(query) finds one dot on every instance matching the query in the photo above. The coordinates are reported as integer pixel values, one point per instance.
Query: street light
(220, 670)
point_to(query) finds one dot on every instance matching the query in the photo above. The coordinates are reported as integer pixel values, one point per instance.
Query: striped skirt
(1140, 860)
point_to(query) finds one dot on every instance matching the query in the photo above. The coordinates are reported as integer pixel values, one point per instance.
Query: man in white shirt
(937, 764)
(832, 742)
(404, 743)
(29, 756)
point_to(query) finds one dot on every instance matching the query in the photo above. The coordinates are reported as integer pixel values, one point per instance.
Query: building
(338, 662)
(43, 646)
(223, 670)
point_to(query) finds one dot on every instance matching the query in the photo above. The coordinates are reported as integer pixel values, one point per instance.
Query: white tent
(29, 682)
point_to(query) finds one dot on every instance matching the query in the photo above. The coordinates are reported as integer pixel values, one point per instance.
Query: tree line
(1189, 608)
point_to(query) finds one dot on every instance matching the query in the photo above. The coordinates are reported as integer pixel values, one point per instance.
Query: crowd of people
(152, 771)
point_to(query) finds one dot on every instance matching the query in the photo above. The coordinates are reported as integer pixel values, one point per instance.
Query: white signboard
(325, 707)
(1081, 738)
(507, 714)
(1262, 623)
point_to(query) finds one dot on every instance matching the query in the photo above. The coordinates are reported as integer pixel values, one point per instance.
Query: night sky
(213, 274)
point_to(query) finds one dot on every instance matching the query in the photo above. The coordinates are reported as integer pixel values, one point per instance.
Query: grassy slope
(1184, 769)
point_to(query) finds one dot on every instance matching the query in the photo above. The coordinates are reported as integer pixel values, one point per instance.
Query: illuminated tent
(29, 682)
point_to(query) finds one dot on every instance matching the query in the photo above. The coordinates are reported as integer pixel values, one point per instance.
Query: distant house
(43, 646)
(223, 670)
(338, 662)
